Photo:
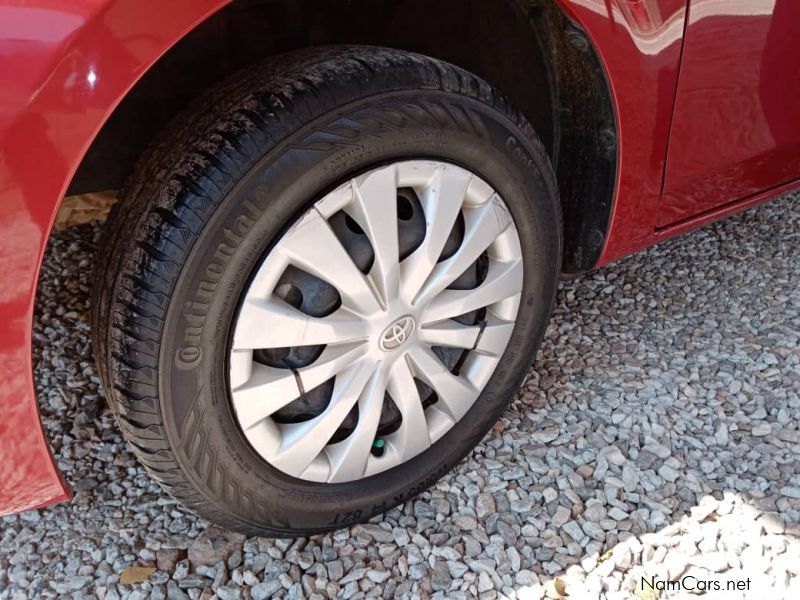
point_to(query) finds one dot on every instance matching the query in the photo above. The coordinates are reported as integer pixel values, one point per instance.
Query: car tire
(269, 164)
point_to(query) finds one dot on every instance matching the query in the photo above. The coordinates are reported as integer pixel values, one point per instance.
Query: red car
(341, 223)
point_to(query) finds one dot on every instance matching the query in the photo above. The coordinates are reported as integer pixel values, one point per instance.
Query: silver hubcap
(409, 338)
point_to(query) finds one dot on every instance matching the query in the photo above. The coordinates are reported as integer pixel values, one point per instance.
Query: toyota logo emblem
(397, 333)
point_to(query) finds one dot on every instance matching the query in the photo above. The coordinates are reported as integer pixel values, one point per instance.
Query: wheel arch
(539, 57)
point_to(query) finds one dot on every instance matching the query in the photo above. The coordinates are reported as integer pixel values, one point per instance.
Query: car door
(736, 123)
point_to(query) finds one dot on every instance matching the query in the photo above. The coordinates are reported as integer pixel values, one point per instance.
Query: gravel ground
(657, 436)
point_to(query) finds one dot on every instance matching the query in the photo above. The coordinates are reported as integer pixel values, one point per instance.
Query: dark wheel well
(528, 49)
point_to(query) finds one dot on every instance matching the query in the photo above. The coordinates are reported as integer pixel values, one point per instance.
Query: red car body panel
(66, 65)
(750, 141)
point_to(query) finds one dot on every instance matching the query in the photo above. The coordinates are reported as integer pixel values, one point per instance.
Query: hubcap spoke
(494, 337)
(266, 391)
(455, 393)
(310, 392)
(489, 338)
(272, 323)
(502, 281)
(332, 361)
(241, 367)
(349, 457)
(483, 225)
(269, 389)
(375, 210)
(442, 201)
(450, 334)
(303, 442)
(413, 437)
(313, 246)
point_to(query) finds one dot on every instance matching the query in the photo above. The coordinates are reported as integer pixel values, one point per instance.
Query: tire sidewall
(279, 186)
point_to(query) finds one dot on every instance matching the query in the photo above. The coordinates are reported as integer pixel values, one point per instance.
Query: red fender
(65, 68)
(639, 43)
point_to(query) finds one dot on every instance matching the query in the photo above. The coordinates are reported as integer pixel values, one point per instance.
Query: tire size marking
(358, 516)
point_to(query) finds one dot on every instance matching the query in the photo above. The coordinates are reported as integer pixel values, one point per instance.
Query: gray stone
(573, 529)
(630, 478)
(561, 516)
(464, 522)
(376, 532)
(594, 510)
(335, 570)
(456, 568)
(484, 505)
(167, 558)
(668, 473)
(440, 576)
(485, 582)
(214, 545)
(761, 429)
(791, 492)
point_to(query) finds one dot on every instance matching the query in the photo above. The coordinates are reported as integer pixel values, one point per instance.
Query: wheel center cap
(397, 334)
